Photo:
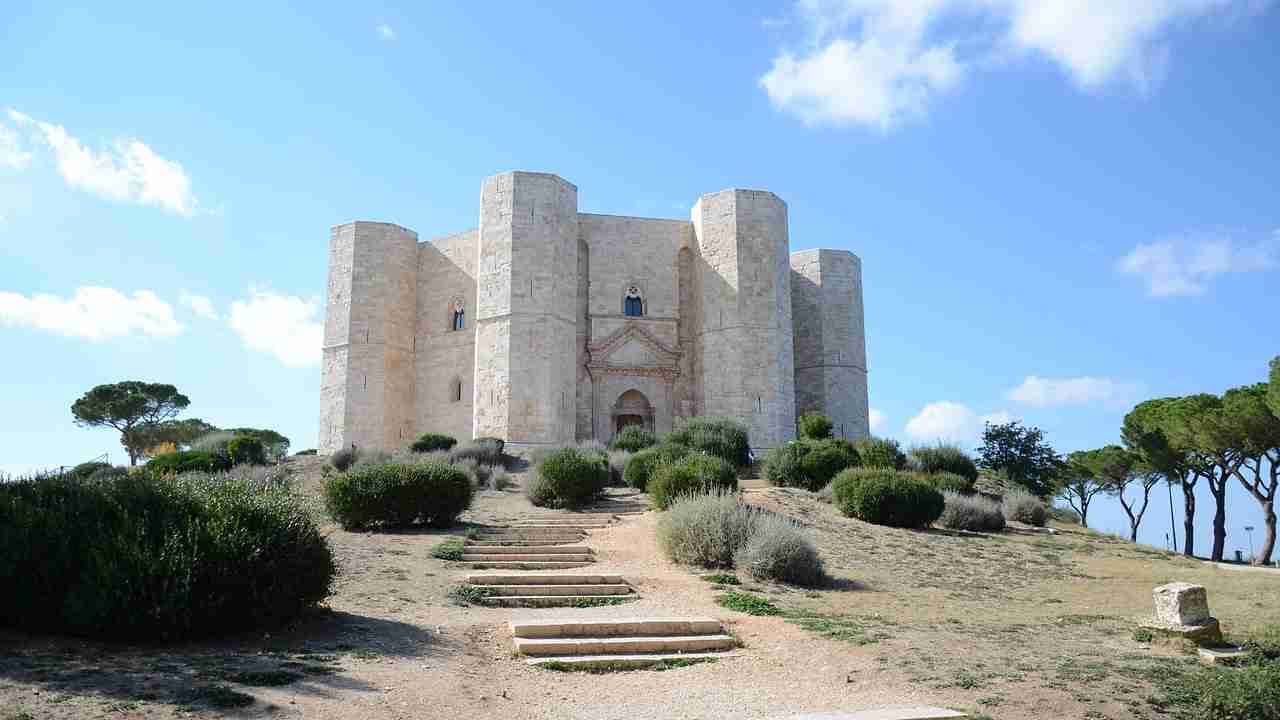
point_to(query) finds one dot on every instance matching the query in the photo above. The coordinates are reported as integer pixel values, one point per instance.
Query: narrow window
(457, 316)
(633, 302)
(455, 390)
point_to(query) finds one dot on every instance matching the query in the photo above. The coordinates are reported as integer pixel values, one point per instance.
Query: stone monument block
(1181, 604)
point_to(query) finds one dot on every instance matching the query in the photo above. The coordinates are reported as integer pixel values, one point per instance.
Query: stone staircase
(619, 644)
(535, 542)
(548, 590)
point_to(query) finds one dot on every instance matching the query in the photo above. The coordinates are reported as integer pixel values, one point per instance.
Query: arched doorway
(632, 408)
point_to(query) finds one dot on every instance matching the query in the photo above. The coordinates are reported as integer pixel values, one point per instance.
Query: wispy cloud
(1052, 392)
(386, 31)
(1186, 266)
(11, 153)
(284, 326)
(127, 171)
(879, 62)
(951, 421)
(93, 313)
(198, 304)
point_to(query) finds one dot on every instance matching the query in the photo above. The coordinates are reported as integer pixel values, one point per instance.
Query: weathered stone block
(1181, 604)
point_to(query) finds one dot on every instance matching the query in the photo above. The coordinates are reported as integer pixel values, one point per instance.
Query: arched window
(458, 319)
(633, 303)
(455, 390)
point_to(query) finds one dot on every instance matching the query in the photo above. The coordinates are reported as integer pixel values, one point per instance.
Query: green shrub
(568, 478)
(880, 453)
(370, 458)
(706, 530)
(486, 451)
(1022, 506)
(641, 464)
(246, 449)
(694, 474)
(140, 557)
(945, 481)
(176, 463)
(722, 437)
(344, 458)
(808, 464)
(944, 458)
(304, 453)
(970, 512)
(780, 550)
(398, 495)
(1064, 514)
(814, 426)
(886, 497)
(427, 442)
(85, 470)
(747, 603)
(633, 438)
(1251, 692)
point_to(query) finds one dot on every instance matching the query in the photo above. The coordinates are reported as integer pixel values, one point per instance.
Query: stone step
(889, 713)
(571, 520)
(620, 662)
(552, 526)
(525, 542)
(530, 533)
(526, 550)
(650, 626)
(544, 579)
(543, 601)
(527, 557)
(528, 564)
(624, 645)
(588, 589)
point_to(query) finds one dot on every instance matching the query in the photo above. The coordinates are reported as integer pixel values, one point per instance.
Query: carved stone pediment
(633, 350)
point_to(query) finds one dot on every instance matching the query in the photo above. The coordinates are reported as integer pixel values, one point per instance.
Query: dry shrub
(1024, 507)
(779, 549)
(971, 512)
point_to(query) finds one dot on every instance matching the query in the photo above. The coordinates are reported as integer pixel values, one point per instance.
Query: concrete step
(528, 564)
(527, 557)
(624, 645)
(633, 661)
(588, 589)
(651, 626)
(553, 526)
(526, 550)
(544, 579)
(530, 533)
(542, 601)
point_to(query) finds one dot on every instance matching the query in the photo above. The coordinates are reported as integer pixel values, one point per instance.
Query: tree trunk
(1189, 519)
(1268, 538)
(1219, 521)
(1084, 513)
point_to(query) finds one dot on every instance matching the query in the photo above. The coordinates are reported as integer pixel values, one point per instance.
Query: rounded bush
(886, 497)
(1021, 506)
(694, 474)
(706, 530)
(633, 438)
(568, 478)
(428, 442)
(344, 459)
(486, 451)
(808, 464)
(945, 458)
(948, 482)
(725, 438)
(243, 449)
(881, 453)
(970, 512)
(781, 465)
(397, 495)
(138, 557)
(780, 550)
(641, 464)
(814, 426)
(176, 463)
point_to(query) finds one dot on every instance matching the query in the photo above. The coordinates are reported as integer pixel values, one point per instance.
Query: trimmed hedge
(881, 453)
(395, 495)
(886, 497)
(696, 473)
(725, 438)
(808, 464)
(176, 463)
(430, 442)
(632, 439)
(140, 557)
(814, 426)
(640, 465)
(568, 478)
(945, 458)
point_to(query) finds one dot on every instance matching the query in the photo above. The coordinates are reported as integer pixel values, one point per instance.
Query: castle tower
(830, 350)
(745, 360)
(527, 296)
(367, 380)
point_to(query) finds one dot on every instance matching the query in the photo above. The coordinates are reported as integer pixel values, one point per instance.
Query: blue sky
(1062, 208)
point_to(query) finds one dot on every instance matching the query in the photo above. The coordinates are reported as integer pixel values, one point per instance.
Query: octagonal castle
(546, 325)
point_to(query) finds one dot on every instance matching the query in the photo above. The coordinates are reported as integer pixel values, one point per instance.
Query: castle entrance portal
(632, 408)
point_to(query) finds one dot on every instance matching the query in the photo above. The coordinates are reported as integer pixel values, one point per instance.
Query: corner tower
(745, 360)
(367, 381)
(830, 345)
(526, 303)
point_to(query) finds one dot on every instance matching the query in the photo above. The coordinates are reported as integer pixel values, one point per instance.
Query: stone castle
(546, 325)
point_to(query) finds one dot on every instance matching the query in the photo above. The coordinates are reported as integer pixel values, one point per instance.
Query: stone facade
(546, 325)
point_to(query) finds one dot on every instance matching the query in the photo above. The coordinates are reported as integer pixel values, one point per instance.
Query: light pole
(1249, 529)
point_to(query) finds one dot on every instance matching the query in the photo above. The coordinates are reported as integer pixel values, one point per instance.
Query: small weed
(448, 550)
(722, 579)
(1143, 635)
(601, 668)
(588, 602)
(468, 594)
(747, 603)
(846, 628)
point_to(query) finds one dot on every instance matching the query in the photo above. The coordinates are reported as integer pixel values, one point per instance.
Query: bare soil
(1017, 625)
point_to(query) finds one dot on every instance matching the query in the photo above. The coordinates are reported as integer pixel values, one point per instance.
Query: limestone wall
(367, 380)
(830, 349)
(445, 357)
(746, 356)
(527, 294)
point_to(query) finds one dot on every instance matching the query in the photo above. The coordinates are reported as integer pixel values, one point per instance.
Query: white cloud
(879, 62)
(198, 304)
(281, 325)
(11, 153)
(950, 421)
(876, 418)
(1049, 392)
(128, 171)
(1185, 267)
(386, 31)
(94, 313)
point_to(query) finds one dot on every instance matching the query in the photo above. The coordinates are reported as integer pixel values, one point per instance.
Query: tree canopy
(125, 405)
(1023, 455)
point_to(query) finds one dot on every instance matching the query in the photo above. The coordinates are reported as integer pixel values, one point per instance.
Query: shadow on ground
(312, 658)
